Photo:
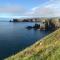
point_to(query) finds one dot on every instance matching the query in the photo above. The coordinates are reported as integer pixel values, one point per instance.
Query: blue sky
(29, 8)
(25, 3)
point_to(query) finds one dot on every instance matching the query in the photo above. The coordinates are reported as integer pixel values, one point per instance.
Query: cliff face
(52, 23)
(47, 23)
(56, 22)
(47, 48)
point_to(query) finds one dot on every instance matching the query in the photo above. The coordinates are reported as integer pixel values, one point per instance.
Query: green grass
(47, 48)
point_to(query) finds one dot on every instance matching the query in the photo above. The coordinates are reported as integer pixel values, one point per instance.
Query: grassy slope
(47, 48)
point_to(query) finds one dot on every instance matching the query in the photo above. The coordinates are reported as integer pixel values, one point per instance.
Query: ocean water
(14, 37)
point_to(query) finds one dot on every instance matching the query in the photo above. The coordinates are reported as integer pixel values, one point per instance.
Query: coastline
(39, 48)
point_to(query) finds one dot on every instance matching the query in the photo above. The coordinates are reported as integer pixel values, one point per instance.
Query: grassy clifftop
(47, 48)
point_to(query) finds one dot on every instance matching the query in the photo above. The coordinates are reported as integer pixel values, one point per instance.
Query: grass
(47, 48)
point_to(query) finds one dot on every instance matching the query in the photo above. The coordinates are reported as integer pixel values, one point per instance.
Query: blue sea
(14, 37)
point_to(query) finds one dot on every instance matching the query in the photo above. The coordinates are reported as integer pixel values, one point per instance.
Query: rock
(29, 27)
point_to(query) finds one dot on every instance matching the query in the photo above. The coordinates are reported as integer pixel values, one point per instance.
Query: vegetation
(47, 48)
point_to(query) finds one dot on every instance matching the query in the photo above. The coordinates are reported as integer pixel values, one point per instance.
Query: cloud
(49, 9)
(13, 10)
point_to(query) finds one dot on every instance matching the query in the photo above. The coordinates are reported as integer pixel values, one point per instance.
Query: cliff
(49, 23)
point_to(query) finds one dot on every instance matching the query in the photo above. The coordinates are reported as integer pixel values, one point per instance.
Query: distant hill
(47, 48)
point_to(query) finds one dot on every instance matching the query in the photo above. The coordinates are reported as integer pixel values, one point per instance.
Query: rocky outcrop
(15, 20)
(49, 23)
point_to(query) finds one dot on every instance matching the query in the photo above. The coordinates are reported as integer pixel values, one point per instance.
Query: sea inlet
(14, 37)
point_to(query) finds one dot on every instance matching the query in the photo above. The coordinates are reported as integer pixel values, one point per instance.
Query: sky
(29, 8)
